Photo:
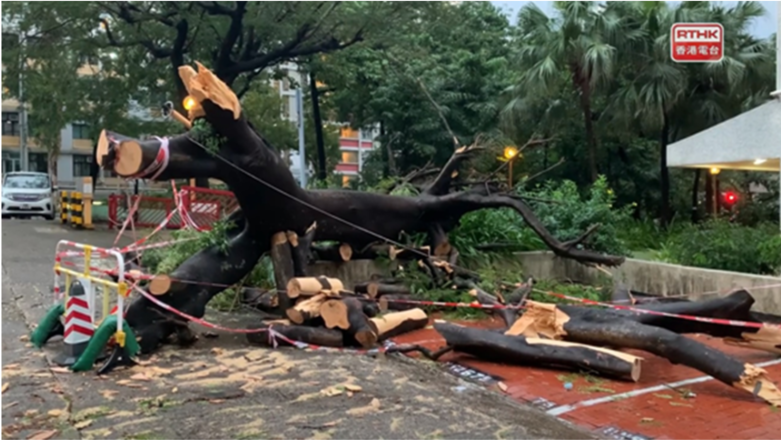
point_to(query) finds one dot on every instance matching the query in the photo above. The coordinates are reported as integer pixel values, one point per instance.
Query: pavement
(224, 388)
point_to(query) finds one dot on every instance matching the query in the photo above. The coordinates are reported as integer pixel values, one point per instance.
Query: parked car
(27, 194)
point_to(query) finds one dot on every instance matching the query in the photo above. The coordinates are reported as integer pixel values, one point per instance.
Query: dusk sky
(763, 27)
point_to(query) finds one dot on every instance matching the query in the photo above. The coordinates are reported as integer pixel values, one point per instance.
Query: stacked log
(324, 313)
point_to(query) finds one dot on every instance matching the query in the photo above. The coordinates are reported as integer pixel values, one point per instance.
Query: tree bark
(318, 120)
(493, 346)
(282, 259)
(398, 323)
(310, 335)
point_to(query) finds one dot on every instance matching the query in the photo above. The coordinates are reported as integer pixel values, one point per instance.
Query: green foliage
(727, 246)
(494, 226)
(567, 215)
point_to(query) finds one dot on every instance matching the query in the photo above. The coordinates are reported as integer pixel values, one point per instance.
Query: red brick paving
(716, 410)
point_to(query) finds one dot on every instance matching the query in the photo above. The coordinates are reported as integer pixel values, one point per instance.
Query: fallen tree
(222, 144)
(538, 338)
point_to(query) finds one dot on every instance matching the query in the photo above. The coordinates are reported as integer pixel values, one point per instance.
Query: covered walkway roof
(749, 141)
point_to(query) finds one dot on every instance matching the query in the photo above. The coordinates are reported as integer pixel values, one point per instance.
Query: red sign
(697, 42)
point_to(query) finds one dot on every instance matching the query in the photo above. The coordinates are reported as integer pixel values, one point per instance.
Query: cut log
(361, 330)
(310, 335)
(493, 346)
(334, 314)
(282, 260)
(310, 286)
(306, 310)
(393, 301)
(162, 284)
(398, 323)
(345, 251)
(375, 289)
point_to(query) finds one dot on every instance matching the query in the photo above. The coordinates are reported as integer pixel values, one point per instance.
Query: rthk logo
(697, 42)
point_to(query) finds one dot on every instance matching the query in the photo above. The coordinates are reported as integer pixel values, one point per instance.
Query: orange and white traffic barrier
(78, 324)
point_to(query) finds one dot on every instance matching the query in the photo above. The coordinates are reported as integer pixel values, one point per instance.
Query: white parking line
(563, 409)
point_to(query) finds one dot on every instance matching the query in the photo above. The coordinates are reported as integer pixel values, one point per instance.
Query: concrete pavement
(223, 388)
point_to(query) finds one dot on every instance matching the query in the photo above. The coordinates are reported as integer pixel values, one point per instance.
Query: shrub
(722, 245)
(568, 215)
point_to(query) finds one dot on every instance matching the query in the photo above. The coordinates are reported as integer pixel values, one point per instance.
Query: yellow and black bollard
(64, 207)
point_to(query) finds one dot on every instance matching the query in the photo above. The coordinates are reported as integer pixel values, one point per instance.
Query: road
(222, 387)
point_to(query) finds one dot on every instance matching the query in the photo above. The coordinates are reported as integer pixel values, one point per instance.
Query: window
(11, 161)
(286, 109)
(349, 157)
(348, 132)
(347, 181)
(29, 181)
(39, 162)
(80, 131)
(10, 124)
(286, 84)
(81, 165)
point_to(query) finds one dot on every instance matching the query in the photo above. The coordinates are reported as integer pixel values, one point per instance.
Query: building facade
(354, 145)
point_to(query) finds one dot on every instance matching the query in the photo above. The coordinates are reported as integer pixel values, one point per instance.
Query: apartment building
(354, 145)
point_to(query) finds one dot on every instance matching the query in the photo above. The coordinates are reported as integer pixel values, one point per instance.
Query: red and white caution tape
(732, 322)
(200, 321)
(472, 305)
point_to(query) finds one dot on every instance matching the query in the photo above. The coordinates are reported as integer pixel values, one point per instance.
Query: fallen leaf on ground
(680, 404)
(5, 387)
(55, 413)
(349, 394)
(11, 367)
(373, 406)
(174, 389)
(43, 435)
(83, 424)
(331, 391)
(502, 386)
(663, 396)
(31, 413)
(353, 388)
(60, 370)
(218, 351)
(10, 405)
(109, 394)
(646, 420)
(24, 338)
(216, 400)
(140, 376)
(129, 384)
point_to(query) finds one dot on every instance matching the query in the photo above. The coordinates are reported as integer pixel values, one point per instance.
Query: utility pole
(23, 154)
(300, 116)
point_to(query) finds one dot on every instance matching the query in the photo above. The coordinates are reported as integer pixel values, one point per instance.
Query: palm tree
(578, 46)
(676, 100)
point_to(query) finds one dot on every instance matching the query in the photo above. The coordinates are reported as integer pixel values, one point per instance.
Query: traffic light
(730, 198)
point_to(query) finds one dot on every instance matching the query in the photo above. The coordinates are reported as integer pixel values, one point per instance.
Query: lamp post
(715, 183)
(509, 154)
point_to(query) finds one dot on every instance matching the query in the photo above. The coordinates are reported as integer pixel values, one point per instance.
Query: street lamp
(509, 154)
(188, 103)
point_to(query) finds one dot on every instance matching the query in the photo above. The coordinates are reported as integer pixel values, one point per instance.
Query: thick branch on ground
(375, 289)
(306, 310)
(302, 249)
(347, 314)
(655, 334)
(508, 315)
(489, 345)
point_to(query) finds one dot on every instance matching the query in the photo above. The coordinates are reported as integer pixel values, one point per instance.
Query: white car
(27, 194)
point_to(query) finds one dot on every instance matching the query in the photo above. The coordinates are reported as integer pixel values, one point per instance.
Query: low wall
(660, 278)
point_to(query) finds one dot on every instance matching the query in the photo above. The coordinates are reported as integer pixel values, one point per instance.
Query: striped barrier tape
(472, 305)
(200, 321)
(731, 322)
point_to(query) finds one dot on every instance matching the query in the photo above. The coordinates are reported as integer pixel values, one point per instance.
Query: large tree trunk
(583, 87)
(272, 201)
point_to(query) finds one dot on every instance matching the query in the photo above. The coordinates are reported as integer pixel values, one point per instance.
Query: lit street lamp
(509, 154)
